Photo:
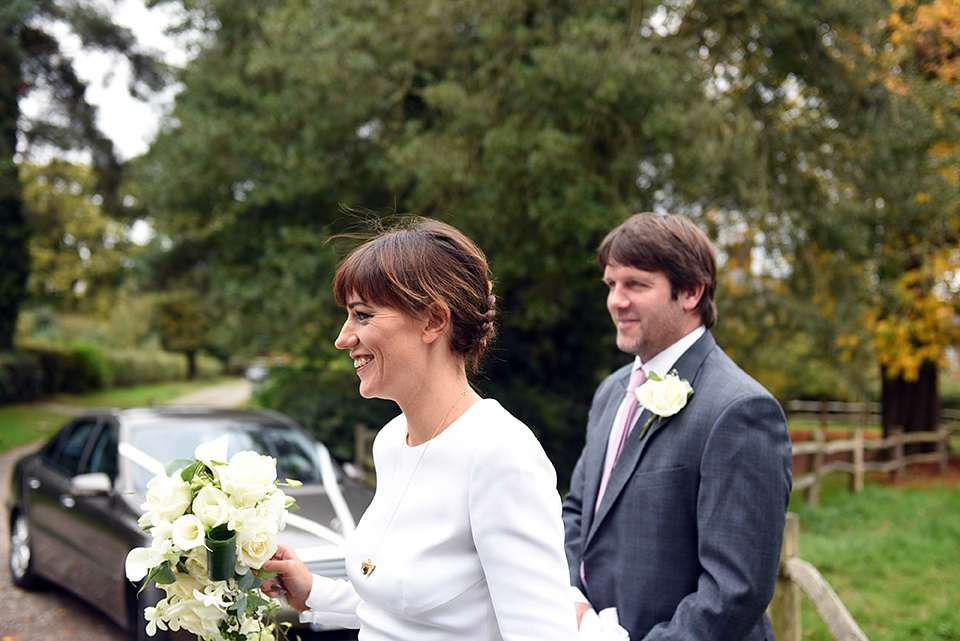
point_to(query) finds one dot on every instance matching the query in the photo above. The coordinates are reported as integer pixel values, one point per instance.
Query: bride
(463, 540)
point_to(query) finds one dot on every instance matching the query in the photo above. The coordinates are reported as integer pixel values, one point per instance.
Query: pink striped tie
(627, 413)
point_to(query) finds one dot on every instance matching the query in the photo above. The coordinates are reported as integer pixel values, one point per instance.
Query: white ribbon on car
(327, 478)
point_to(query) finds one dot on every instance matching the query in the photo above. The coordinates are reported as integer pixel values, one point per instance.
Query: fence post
(943, 449)
(785, 606)
(362, 439)
(856, 481)
(896, 432)
(812, 495)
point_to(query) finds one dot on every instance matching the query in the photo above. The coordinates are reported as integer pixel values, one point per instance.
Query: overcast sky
(130, 123)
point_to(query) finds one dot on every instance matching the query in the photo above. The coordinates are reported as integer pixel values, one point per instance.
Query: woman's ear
(438, 319)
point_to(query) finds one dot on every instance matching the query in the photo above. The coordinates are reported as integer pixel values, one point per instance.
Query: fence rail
(796, 576)
(848, 455)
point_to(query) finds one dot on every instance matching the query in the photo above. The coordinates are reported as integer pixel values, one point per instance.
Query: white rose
(168, 497)
(212, 506)
(188, 532)
(196, 564)
(248, 478)
(256, 539)
(193, 616)
(664, 397)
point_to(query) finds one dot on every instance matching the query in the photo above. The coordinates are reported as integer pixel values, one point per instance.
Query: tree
(30, 59)
(536, 127)
(79, 255)
(183, 325)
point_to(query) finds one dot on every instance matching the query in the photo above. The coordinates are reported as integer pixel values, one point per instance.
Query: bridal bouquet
(213, 524)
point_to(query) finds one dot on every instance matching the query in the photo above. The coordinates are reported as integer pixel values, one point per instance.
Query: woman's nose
(346, 339)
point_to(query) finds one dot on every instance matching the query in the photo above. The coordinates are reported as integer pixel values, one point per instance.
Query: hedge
(36, 371)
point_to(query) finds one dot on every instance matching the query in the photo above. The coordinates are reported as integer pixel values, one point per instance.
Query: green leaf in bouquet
(177, 464)
(249, 581)
(191, 470)
(162, 574)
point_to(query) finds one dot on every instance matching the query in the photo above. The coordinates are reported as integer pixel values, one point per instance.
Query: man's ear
(437, 321)
(690, 298)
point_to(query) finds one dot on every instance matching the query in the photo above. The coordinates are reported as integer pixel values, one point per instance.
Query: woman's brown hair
(418, 263)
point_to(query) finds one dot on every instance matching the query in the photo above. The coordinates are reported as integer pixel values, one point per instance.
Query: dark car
(75, 503)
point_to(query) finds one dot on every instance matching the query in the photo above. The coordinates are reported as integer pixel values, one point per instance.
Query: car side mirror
(93, 484)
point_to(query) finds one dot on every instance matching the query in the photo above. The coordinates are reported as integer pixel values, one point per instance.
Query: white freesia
(248, 478)
(274, 508)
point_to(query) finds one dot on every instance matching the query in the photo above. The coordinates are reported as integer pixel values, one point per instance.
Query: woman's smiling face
(384, 344)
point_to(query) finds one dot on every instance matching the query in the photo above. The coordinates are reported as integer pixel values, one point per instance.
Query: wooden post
(856, 482)
(784, 609)
(362, 440)
(812, 495)
(943, 449)
(896, 432)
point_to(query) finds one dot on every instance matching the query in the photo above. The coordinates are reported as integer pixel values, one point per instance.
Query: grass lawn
(26, 423)
(892, 554)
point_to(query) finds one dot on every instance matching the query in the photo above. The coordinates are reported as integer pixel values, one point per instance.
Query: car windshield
(168, 440)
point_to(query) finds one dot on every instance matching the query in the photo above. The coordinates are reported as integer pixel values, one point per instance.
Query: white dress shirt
(473, 553)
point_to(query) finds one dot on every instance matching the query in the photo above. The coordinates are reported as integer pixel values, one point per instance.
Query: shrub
(20, 377)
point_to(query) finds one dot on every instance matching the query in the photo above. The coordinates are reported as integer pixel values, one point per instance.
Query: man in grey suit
(685, 539)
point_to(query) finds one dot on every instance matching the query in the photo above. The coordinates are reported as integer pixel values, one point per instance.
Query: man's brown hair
(671, 244)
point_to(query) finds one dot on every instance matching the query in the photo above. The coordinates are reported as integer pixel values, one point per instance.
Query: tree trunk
(912, 405)
(14, 257)
(191, 364)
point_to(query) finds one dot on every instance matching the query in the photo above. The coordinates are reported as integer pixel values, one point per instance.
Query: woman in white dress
(463, 540)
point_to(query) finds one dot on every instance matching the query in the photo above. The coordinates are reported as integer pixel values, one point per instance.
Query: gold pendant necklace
(367, 567)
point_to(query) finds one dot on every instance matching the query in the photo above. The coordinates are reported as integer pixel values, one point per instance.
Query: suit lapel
(687, 366)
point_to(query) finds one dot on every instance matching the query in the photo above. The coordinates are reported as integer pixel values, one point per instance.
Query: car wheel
(21, 554)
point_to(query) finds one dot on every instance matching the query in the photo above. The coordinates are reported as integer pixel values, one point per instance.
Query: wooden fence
(796, 576)
(849, 455)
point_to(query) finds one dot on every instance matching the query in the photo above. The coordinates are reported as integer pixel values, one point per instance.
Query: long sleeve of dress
(515, 520)
(332, 602)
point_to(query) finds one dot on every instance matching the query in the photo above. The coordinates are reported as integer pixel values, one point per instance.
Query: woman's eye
(363, 316)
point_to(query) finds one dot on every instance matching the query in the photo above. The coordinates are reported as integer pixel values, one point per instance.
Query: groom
(678, 525)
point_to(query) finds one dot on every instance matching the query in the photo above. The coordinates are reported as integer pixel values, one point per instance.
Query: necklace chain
(367, 567)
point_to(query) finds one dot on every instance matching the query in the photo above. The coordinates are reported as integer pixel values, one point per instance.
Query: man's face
(647, 316)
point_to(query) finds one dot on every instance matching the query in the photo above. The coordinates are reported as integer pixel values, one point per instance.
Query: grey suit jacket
(686, 541)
